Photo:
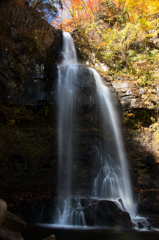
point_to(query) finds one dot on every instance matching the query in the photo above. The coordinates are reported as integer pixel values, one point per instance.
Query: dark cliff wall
(29, 50)
(29, 53)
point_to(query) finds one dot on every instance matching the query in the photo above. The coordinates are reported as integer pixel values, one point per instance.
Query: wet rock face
(29, 54)
(105, 213)
(85, 87)
(109, 214)
(86, 81)
(37, 87)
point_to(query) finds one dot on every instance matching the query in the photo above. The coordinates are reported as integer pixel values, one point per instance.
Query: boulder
(140, 225)
(13, 223)
(106, 213)
(90, 214)
(9, 235)
(3, 210)
(109, 214)
(52, 237)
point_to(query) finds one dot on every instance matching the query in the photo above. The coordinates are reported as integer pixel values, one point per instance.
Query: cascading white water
(116, 180)
(67, 78)
(69, 51)
(67, 88)
(112, 181)
(72, 213)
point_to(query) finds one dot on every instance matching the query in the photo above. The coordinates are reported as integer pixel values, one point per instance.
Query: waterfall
(116, 179)
(112, 181)
(67, 88)
(67, 78)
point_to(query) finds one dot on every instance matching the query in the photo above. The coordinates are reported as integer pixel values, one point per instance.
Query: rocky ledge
(11, 226)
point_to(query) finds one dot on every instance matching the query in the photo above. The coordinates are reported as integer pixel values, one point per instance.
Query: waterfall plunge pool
(41, 231)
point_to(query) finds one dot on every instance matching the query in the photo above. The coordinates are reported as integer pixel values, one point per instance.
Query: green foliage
(125, 46)
(153, 55)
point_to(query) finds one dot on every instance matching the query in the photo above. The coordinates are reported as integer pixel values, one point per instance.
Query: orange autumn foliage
(138, 8)
(78, 11)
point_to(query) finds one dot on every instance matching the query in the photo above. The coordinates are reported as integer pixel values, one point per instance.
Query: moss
(144, 170)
